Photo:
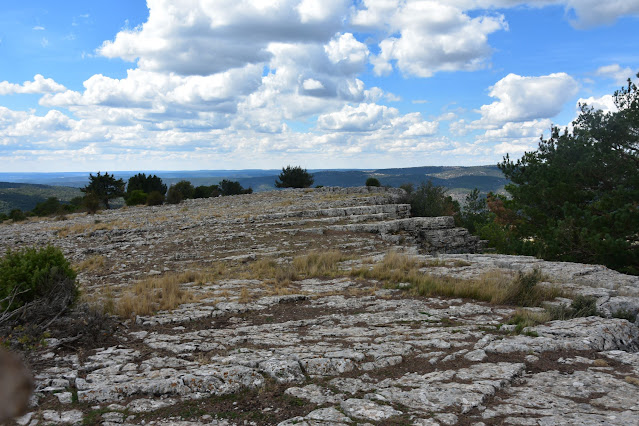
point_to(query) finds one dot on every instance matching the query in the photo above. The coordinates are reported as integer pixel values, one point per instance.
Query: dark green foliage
(371, 181)
(49, 207)
(147, 184)
(429, 200)
(474, 214)
(136, 197)
(3, 217)
(294, 177)
(526, 292)
(105, 187)
(581, 306)
(182, 190)
(576, 197)
(17, 215)
(204, 191)
(408, 187)
(228, 187)
(91, 203)
(155, 198)
(29, 274)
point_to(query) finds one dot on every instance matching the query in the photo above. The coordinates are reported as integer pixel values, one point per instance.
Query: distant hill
(28, 189)
(25, 196)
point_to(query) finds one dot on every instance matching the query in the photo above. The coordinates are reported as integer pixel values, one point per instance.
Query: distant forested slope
(25, 196)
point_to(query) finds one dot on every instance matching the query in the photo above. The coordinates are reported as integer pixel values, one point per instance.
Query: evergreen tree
(294, 177)
(576, 197)
(104, 187)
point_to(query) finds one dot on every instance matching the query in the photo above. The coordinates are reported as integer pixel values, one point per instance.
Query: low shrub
(17, 215)
(155, 198)
(581, 306)
(36, 285)
(136, 197)
(371, 181)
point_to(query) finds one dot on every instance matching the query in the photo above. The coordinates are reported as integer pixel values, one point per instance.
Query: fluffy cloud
(605, 103)
(615, 72)
(38, 85)
(528, 98)
(365, 117)
(204, 37)
(433, 36)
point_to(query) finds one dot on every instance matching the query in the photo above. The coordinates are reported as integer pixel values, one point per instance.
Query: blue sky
(226, 84)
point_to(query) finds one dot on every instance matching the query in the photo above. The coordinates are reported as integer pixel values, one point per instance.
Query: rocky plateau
(307, 349)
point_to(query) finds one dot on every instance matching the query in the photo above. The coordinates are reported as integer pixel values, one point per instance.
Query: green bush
(91, 203)
(17, 215)
(229, 187)
(47, 208)
(30, 274)
(371, 181)
(136, 197)
(429, 200)
(182, 190)
(155, 198)
(204, 191)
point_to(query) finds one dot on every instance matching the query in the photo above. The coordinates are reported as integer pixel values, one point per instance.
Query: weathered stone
(368, 410)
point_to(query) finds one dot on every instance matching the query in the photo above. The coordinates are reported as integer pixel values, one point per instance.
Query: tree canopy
(231, 187)
(145, 183)
(104, 187)
(294, 177)
(576, 198)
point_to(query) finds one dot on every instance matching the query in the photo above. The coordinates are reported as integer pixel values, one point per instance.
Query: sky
(324, 84)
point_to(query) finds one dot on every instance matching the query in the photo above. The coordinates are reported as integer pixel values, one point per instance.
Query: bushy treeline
(574, 199)
(139, 190)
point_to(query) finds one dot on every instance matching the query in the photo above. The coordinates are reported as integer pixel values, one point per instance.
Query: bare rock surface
(313, 349)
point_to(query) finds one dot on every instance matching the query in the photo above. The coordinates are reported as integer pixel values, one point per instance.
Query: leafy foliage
(105, 187)
(147, 184)
(29, 274)
(228, 187)
(17, 215)
(429, 200)
(136, 197)
(182, 190)
(204, 191)
(576, 197)
(294, 177)
(474, 212)
(371, 181)
(155, 198)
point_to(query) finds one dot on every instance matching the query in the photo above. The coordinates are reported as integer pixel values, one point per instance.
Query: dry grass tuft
(245, 295)
(155, 294)
(524, 318)
(92, 264)
(632, 380)
(495, 287)
(319, 264)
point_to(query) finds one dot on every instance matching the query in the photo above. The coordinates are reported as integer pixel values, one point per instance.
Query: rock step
(397, 210)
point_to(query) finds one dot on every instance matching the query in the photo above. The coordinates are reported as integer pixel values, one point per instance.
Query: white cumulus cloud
(38, 85)
(528, 98)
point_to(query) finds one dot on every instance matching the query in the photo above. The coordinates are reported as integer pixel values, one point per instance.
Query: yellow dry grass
(84, 228)
(495, 287)
(92, 264)
(319, 264)
(155, 294)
